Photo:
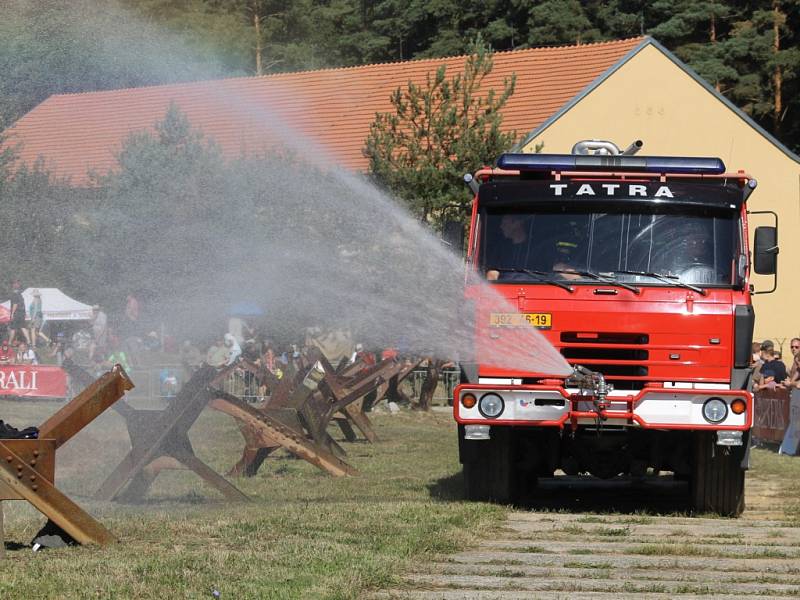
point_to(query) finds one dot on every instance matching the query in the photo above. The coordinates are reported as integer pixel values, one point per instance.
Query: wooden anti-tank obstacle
(27, 466)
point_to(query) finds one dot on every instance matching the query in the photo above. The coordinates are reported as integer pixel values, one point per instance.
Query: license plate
(538, 320)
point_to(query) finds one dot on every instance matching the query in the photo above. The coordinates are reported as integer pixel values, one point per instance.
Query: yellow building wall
(652, 99)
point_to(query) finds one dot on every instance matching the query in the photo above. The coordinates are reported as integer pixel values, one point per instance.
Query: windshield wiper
(673, 280)
(538, 276)
(598, 277)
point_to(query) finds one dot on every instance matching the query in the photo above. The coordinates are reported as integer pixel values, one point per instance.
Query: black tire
(489, 473)
(717, 482)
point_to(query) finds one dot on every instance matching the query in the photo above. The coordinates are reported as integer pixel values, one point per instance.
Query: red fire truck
(637, 270)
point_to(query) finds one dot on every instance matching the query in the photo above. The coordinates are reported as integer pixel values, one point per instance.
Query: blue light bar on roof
(596, 162)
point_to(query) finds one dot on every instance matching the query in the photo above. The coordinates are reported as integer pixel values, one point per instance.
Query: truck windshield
(696, 248)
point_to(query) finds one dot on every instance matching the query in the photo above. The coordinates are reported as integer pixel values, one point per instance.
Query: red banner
(34, 381)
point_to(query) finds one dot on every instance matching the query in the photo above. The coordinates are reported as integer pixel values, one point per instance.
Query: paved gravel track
(624, 553)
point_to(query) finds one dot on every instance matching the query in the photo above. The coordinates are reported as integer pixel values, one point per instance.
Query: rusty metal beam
(27, 483)
(162, 434)
(302, 410)
(86, 406)
(360, 419)
(293, 441)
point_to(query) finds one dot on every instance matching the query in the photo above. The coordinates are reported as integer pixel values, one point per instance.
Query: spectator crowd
(769, 370)
(124, 337)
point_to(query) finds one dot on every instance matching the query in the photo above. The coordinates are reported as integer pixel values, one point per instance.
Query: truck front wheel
(717, 482)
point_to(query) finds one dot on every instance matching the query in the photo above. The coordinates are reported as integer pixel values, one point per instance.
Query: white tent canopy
(57, 306)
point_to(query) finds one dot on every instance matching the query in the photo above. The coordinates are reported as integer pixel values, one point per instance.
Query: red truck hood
(661, 334)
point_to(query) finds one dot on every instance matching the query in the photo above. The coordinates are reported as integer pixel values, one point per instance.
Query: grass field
(781, 475)
(305, 535)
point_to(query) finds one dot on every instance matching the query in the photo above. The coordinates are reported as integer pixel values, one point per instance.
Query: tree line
(173, 198)
(747, 50)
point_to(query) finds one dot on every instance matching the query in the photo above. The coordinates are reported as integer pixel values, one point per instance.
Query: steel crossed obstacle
(296, 418)
(160, 442)
(27, 466)
(159, 438)
(307, 399)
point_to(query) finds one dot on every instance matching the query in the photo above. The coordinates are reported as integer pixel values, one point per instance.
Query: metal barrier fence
(448, 380)
(163, 382)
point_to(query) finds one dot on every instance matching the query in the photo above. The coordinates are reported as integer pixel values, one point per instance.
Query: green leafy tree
(51, 47)
(696, 32)
(437, 132)
(618, 19)
(34, 227)
(762, 49)
(148, 228)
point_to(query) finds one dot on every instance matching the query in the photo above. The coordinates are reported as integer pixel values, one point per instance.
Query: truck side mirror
(453, 236)
(765, 256)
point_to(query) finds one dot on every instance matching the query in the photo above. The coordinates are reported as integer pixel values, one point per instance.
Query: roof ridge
(439, 59)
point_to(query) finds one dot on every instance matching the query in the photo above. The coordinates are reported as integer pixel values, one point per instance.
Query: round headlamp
(491, 406)
(715, 410)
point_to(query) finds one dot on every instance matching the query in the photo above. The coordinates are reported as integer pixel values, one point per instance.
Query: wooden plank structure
(27, 466)
(307, 399)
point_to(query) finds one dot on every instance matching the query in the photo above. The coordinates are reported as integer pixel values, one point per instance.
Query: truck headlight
(715, 410)
(491, 406)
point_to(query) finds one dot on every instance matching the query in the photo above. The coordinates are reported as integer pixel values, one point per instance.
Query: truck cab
(637, 270)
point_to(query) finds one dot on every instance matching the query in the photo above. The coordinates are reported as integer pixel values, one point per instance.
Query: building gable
(644, 86)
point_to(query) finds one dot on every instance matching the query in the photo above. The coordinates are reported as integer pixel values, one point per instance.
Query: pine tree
(694, 30)
(560, 22)
(437, 132)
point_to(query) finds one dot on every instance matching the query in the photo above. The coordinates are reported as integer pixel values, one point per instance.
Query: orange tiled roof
(76, 133)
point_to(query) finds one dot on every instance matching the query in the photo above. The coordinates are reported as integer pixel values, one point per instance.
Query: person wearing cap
(772, 374)
(17, 304)
(36, 319)
(765, 353)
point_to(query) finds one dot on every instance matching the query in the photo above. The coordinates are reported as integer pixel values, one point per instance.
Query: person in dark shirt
(772, 372)
(511, 249)
(774, 368)
(17, 305)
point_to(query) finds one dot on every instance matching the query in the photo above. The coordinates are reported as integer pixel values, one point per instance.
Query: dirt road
(579, 552)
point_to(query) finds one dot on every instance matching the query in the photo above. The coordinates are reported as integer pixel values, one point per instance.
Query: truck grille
(618, 356)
